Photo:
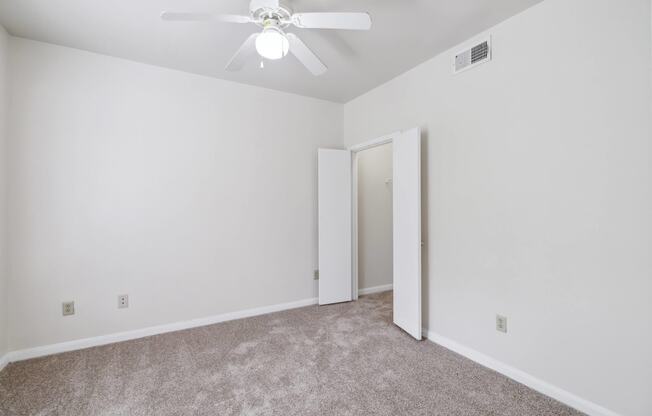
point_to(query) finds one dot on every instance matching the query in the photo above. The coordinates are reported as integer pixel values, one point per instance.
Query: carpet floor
(344, 359)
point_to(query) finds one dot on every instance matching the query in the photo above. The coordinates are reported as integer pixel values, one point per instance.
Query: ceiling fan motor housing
(270, 12)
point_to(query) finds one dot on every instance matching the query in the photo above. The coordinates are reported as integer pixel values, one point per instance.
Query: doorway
(338, 237)
(374, 219)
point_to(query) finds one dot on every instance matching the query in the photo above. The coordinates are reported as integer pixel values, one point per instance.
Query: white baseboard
(145, 332)
(375, 289)
(4, 360)
(522, 377)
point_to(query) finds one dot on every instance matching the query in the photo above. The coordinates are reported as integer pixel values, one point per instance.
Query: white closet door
(334, 193)
(407, 231)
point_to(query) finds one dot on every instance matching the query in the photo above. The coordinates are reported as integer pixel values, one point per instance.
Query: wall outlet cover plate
(68, 308)
(501, 323)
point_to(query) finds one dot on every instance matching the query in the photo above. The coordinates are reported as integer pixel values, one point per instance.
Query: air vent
(472, 57)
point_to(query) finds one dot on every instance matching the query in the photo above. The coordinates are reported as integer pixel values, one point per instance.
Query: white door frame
(354, 201)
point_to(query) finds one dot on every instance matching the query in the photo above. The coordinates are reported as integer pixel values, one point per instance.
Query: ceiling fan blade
(204, 17)
(305, 55)
(246, 50)
(350, 21)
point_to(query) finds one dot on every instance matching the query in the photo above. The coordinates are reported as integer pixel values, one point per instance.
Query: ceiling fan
(273, 42)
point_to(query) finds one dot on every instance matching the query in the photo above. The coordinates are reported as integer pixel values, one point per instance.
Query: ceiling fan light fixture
(272, 43)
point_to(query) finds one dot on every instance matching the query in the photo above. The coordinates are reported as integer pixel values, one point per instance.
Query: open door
(334, 193)
(407, 231)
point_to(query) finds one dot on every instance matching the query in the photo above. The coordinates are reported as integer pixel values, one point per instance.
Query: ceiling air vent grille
(472, 57)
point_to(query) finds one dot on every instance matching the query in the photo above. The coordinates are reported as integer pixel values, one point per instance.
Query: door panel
(407, 231)
(334, 193)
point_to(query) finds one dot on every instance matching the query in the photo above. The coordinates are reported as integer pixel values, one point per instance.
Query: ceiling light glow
(272, 44)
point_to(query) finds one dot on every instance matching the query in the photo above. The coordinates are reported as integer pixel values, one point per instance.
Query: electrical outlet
(501, 323)
(123, 301)
(68, 308)
(315, 274)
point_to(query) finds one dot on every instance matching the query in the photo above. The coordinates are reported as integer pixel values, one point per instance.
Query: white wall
(538, 195)
(374, 217)
(193, 195)
(4, 41)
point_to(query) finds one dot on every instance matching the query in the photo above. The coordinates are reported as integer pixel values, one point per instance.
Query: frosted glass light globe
(272, 44)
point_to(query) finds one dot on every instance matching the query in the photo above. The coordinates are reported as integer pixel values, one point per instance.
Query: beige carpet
(345, 359)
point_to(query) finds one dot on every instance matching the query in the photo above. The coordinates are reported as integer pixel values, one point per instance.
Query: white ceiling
(405, 33)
